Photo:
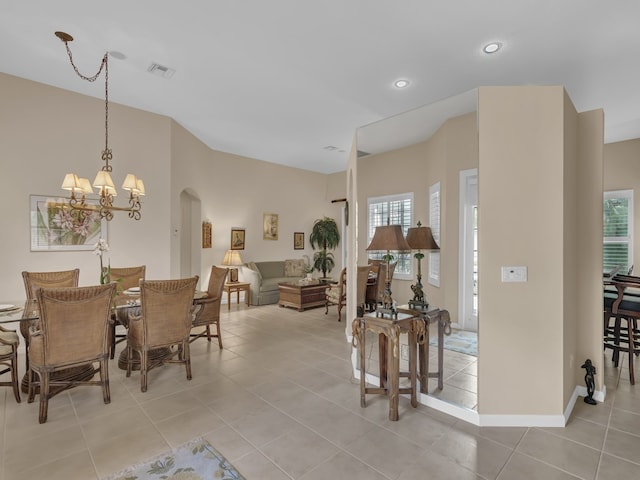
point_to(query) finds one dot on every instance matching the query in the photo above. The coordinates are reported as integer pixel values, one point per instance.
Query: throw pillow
(254, 267)
(294, 268)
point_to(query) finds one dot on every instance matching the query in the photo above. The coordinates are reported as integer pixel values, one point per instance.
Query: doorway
(468, 252)
(190, 225)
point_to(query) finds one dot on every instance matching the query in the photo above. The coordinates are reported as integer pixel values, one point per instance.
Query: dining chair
(207, 309)
(164, 322)
(9, 342)
(124, 278)
(72, 332)
(361, 288)
(35, 280)
(337, 294)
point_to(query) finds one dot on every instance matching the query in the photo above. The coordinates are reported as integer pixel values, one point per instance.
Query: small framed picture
(237, 239)
(298, 240)
(270, 226)
(206, 234)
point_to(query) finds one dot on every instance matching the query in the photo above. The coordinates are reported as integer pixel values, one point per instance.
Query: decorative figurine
(588, 379)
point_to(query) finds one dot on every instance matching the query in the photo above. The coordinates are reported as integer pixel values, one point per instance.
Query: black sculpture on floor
(588, 379)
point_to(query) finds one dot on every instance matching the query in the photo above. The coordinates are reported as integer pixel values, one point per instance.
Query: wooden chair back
(35, 280)
(127, 277)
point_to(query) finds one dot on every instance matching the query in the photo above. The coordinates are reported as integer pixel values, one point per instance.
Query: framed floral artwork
(298, 240)
(270, 226)
(57, 227)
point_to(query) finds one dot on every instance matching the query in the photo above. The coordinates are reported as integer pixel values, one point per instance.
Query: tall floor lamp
(388, 238)
(420, 238)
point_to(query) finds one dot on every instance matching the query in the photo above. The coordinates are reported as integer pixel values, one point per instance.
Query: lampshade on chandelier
(106, 190)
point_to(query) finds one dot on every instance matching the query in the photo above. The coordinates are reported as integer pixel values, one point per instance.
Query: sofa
(264, 277)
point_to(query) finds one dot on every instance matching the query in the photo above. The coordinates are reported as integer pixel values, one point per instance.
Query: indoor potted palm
(324, 236)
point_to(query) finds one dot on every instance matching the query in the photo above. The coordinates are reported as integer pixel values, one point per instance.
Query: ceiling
(289, 81)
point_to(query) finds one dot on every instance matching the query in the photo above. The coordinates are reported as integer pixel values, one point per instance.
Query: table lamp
(420, 238)
(388, 238)
(232, 258)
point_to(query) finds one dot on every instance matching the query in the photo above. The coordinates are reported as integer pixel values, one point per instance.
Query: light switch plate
(514, 274)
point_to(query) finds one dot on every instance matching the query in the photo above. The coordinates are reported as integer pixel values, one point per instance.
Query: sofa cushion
(271, 269)
(294, 268)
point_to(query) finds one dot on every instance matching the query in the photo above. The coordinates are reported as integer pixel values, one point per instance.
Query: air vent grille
(161, 70)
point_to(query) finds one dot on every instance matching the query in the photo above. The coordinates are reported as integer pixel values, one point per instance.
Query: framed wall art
(298, 240)
(206, 235)
(270, 226)
(237, 239)
(57, 227)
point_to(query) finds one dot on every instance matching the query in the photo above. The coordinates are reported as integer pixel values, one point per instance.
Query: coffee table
(302, 294)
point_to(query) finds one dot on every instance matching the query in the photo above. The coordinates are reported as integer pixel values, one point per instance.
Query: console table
(389, 330)
(430, 315)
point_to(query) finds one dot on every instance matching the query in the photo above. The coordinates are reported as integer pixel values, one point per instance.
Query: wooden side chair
(35, 280)
(9, 342)
(124, 278)
(361, 288)
(165, 322)
(207, 310)
(72, 331)
(337, 294)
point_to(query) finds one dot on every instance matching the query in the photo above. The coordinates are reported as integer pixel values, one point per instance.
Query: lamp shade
(421, 238)
(232, 257)
(389, 237)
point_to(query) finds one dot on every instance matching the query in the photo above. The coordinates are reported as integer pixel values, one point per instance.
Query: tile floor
(280, 402)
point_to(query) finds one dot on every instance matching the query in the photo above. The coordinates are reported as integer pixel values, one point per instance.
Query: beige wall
(529, 203)
(46, 132)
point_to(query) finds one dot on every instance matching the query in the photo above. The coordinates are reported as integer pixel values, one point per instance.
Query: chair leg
(14, 377)
(112, 339)
(104, 378)
(219, 336)
(187, 358)
(631, 326)
(44, 396)
(129, 357)
(208, 334)
(143, 370)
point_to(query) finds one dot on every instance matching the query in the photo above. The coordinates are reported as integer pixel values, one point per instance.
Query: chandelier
(80, 187)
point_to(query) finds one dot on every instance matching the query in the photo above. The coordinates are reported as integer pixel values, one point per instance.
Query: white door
(468, 289)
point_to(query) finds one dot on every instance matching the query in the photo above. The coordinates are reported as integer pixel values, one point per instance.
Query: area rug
(459, 341)
(197, 460)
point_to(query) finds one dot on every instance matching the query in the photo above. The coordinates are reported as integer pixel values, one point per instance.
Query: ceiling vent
(161, 70)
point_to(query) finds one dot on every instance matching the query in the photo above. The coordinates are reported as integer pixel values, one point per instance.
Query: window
(434, 223)
(392, 210)
(618, 230)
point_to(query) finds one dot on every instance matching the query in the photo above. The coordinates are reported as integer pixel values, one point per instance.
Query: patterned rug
(196, 460)
(459, 341)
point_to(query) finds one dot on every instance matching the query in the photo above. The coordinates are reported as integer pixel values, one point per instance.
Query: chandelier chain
(104, 65)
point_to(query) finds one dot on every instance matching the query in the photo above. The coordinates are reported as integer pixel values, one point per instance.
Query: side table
(237, 287)
(389, 330)
(430, 315)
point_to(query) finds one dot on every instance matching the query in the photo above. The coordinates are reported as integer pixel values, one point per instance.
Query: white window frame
(408, 257)
(434, 223)
(628, 194)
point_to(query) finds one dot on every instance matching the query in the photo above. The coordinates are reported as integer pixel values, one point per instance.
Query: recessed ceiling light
(401, 83)
(492, 47)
